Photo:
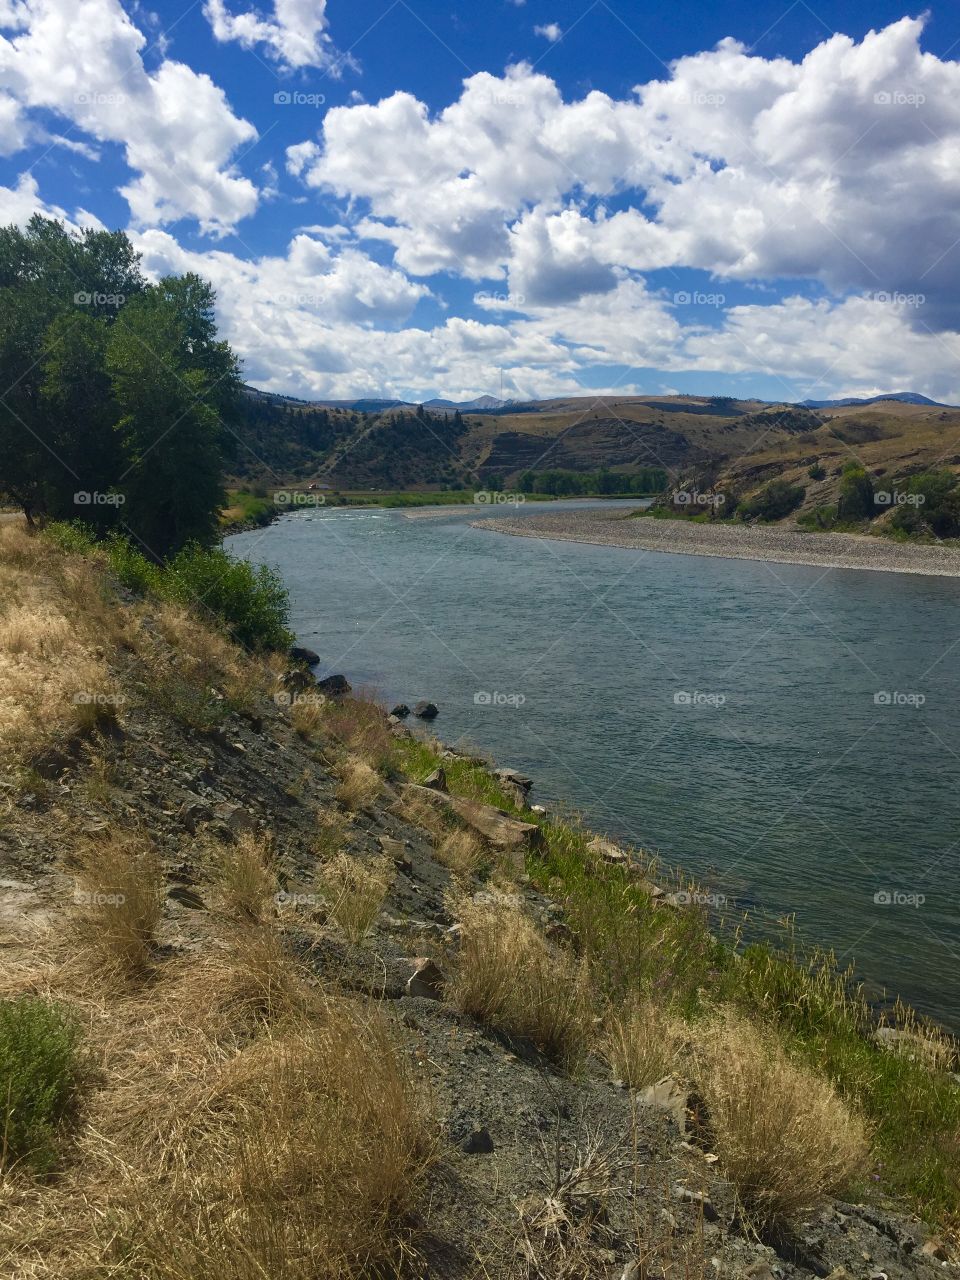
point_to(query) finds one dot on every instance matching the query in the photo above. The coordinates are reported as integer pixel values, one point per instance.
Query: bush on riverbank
(784, 1137)
(252, 604)
(773, 502)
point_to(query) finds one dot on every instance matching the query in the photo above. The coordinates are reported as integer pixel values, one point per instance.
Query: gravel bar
(736, 542)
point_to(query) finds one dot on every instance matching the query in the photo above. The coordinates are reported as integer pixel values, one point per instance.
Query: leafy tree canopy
(116, 388)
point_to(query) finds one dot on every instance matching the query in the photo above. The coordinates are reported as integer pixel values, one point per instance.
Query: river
(788, 734)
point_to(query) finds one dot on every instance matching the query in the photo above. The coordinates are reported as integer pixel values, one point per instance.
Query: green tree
(80, 414)
(51, 281)
(932, 504)
(168, 383)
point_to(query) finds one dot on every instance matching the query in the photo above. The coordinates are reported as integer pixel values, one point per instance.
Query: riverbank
(232, 896)
(738, 542)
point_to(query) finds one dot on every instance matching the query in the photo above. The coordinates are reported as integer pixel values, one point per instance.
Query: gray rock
(396, 850)
(479, 1143)
(668, 1095)
(699, 1198)
(515, 778)
(300, 653)
(426, 710)
(234, 817)
(427, 979)
(401, 711)
(935, 1248)
(334, 686)
(192, 813)
(437, 781)
(499, 828)
(187, 897)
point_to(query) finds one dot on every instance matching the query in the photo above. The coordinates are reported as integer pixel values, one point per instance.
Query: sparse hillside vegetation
(266, 1011)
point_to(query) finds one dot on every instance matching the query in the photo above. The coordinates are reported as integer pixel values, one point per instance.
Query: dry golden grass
(359, 785)
(54, 686)
(332, 828)
(118, 903)
(256, 979)
(37, 631)
(361, 725)
(354, 891)
(921, 1041)
(463, 852)
(214, 1147)
(784, 1137)
(416, 809)
(196, 656)
(644, 1043)
(21, 549)
(245, 877)
(562, 1229)
(511, 978)
(307, 713)
(55, 625)
(320, 1145)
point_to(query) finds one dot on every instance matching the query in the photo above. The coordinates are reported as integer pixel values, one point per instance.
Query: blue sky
(417, 198)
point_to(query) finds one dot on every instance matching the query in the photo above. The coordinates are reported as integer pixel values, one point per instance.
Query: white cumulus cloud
(296, 36)
(81, 59)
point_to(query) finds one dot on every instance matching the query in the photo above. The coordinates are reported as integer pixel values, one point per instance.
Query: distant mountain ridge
(481, 402)
(381, 444)
(907, 397)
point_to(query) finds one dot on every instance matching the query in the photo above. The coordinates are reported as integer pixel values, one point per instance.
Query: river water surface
(787, 734)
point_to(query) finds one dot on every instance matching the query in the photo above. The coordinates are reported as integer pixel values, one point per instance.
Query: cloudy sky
(428, 197)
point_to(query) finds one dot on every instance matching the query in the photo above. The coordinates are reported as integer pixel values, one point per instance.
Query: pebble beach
(739, 542)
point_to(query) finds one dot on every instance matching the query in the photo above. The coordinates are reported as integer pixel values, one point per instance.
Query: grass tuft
(118, 903)
(354, 892)
(511, 978)
(360, 785)
(644, 1043)
(245, 877)
(463, 852)
(321, 1146)
(784, 1137)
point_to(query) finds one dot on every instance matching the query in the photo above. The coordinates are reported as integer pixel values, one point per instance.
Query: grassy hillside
(269, 1006)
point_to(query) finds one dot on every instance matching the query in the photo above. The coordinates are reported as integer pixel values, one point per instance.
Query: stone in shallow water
(334, 686)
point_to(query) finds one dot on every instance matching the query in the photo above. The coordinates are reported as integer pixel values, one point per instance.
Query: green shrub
(816, 472)
(821, 517)
(252, 602)
(131, 567)
(71, 536)
(38, 1077)
(773, 502)
(856, 494)
(932, 503)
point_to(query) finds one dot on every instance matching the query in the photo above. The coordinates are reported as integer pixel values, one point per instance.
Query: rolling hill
(703, 440)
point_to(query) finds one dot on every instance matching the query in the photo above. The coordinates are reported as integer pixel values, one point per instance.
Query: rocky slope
(533, 1171)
